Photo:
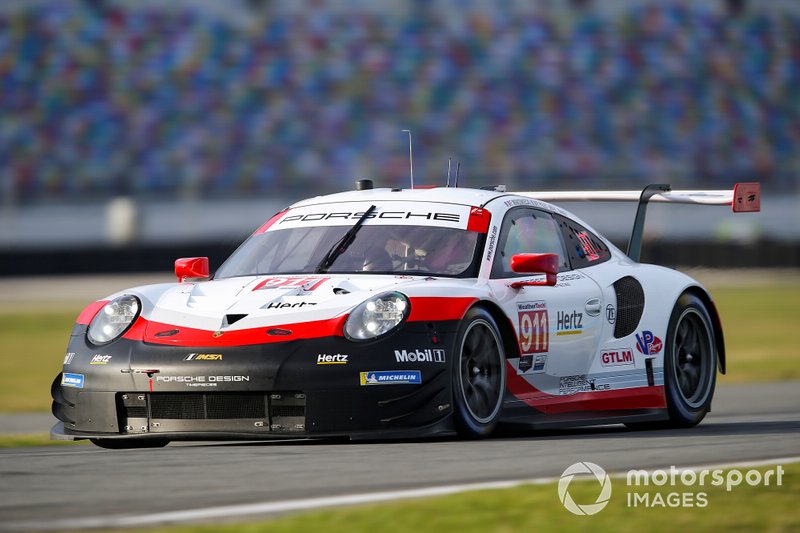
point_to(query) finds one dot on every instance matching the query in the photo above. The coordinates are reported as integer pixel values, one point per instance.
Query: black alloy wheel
(690, 365)
(479, 375)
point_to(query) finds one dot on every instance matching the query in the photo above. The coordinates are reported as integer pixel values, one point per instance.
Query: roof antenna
(449, 159)
(458, 168)
(410, 157)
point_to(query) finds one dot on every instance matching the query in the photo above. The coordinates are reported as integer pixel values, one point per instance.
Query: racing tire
(479, 375)
(129, 444)
(690, 365)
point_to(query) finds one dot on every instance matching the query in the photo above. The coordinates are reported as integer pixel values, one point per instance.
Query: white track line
(266, 508)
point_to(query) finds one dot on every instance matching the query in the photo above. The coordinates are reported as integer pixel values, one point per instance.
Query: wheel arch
(507, 332)
(716, 323)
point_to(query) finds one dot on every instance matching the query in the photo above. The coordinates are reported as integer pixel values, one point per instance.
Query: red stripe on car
(270, 222)
(423, 309)
(90, 311)
(147, 331)
(607, 400)
(432, 308)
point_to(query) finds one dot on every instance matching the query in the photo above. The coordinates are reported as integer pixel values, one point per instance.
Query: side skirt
(521, 416)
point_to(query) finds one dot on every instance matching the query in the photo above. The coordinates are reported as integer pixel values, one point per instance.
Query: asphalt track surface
(52, 487)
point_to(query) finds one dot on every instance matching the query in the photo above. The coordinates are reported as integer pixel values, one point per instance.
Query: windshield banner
(385, 214)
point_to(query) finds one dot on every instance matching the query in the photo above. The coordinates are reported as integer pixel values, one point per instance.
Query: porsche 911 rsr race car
(382, 313)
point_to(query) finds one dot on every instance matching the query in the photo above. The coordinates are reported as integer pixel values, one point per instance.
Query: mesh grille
(235, 406)
(137, 412)
(177, 406)
(176, 411)
(180, 406)
(630, 306)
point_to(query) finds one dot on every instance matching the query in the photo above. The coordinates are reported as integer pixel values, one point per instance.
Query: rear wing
(743, 198)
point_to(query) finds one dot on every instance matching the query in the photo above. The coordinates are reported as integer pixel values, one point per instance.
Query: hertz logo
(332, 359)
(203, 357)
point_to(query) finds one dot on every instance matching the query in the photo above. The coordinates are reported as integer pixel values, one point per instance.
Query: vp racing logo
(584, 468)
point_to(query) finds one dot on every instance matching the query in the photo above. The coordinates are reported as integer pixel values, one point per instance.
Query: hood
(245, 303)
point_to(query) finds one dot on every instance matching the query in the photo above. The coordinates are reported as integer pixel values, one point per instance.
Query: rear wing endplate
(743, 198)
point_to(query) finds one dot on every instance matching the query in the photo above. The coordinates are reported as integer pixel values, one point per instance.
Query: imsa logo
(203, 357)
(419, 356)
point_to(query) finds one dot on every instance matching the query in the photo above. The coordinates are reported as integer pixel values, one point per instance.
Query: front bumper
(301, 388)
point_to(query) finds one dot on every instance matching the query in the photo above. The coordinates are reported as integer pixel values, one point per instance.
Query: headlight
(113, 319)
(377, 316)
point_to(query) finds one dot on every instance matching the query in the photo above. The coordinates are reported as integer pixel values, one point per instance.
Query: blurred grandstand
(200, 101)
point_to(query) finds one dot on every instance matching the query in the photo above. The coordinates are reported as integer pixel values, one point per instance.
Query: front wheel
(479, 375)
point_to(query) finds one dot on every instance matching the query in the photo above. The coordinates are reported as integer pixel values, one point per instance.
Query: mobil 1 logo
(419, 356)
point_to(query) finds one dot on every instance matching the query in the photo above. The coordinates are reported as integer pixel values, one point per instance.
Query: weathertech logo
(419, 356)
(584, 468)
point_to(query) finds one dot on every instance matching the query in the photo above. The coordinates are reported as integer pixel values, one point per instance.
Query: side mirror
(192, 268)
(535, 264)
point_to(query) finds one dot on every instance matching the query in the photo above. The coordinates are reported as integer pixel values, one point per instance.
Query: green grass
(537, 508)
(759, 332)
(33, 344)
(34, 439)
(758, 322)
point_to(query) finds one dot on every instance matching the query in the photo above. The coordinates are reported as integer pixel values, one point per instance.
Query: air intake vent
(232, 319)
(630, 306)
(188, 406)
(250, 412)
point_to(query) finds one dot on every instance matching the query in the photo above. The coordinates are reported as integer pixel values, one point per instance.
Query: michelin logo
(72, 380)
(419, 356)
(391, 377)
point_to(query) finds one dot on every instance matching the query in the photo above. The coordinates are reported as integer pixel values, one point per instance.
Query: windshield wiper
(341, 245)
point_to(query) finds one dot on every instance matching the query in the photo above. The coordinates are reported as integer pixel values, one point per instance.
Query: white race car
(392, 313)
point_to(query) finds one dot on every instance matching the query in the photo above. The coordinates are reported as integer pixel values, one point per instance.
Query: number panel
(533, 327)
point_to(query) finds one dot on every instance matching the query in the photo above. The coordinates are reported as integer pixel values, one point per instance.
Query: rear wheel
(129, 444)
(479, 375)
(690, 365)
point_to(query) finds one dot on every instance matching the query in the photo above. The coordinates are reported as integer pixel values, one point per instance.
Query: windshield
(380, 249)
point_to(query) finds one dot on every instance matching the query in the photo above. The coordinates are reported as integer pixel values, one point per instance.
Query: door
(557, 327)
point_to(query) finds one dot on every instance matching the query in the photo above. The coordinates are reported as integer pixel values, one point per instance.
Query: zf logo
(611, 314)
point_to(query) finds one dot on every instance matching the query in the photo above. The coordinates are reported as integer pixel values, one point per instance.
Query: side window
(527, 231)
(583, 247)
